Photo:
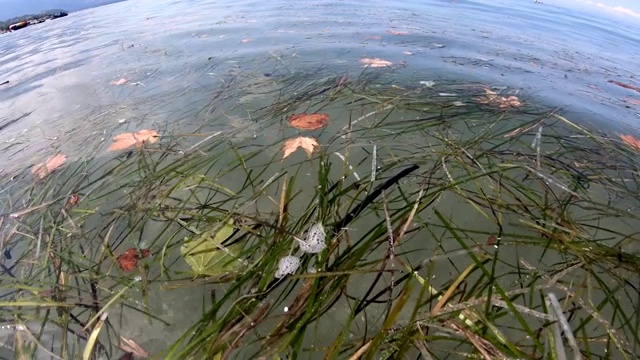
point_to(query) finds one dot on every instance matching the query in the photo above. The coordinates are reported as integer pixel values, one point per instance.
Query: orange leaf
(130, 346)
(43, 169)
(632, 101)
(375, 62)
(306, 143)
(631, 140)
(126, 140)
(129, 259)
(308, 121)
(395, 32)
(120, 81)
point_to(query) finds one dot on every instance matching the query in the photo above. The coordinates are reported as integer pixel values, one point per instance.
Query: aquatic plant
(425, 221)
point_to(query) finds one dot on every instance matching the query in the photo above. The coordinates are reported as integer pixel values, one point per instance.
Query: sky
(629, 9)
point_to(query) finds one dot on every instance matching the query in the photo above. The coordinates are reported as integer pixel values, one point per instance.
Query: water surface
(173, 54)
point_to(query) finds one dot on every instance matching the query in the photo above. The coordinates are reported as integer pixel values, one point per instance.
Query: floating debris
(306, 143)
(314, 243)
(287, 266)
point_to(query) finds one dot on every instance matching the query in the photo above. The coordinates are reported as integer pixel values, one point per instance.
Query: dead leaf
(120, 81)
(308, 121)
(493, 99)
(126, 356)
(631, 141)
(129, 259)
(375, 62)
(72, 201)
(43, 169)
(395, 32)
(130, 346)
(126, 140)
(632, 101)
(626, 86)
(373, 37)
(306, 143)
(244, 41)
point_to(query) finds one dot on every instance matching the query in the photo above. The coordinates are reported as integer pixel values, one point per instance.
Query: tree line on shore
(45, 15)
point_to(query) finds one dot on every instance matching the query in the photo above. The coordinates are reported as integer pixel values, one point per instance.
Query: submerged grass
(453, 229)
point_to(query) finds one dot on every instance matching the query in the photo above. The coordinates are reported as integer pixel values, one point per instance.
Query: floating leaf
(375, 62)
(396, 32)
(308, 121)
(307, 143)
(244, 41)
(207, 256)
(120, 81)
(130, 346)
(287, 265)
(631, 141)
(43, 169)
(632, 101)
(129, 259)
(493, 99)
(126, 140)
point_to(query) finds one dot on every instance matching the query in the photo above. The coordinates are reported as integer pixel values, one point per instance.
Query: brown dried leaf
(375, 62)
(126, 140)
(308, 121)
(72, 201)
(306, 143)
(120, 81)
(130, 346)
(129, 259)
(43, 169)
(631, 141)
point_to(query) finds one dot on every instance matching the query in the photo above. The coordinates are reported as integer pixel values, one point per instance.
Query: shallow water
(174, 53)
(176, 57)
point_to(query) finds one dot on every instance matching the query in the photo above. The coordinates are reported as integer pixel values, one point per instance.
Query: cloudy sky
(627, 9)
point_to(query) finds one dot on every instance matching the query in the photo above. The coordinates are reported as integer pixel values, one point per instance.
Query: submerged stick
(372, 196)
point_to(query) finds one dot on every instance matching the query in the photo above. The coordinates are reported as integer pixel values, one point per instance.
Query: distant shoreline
(21, 22)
